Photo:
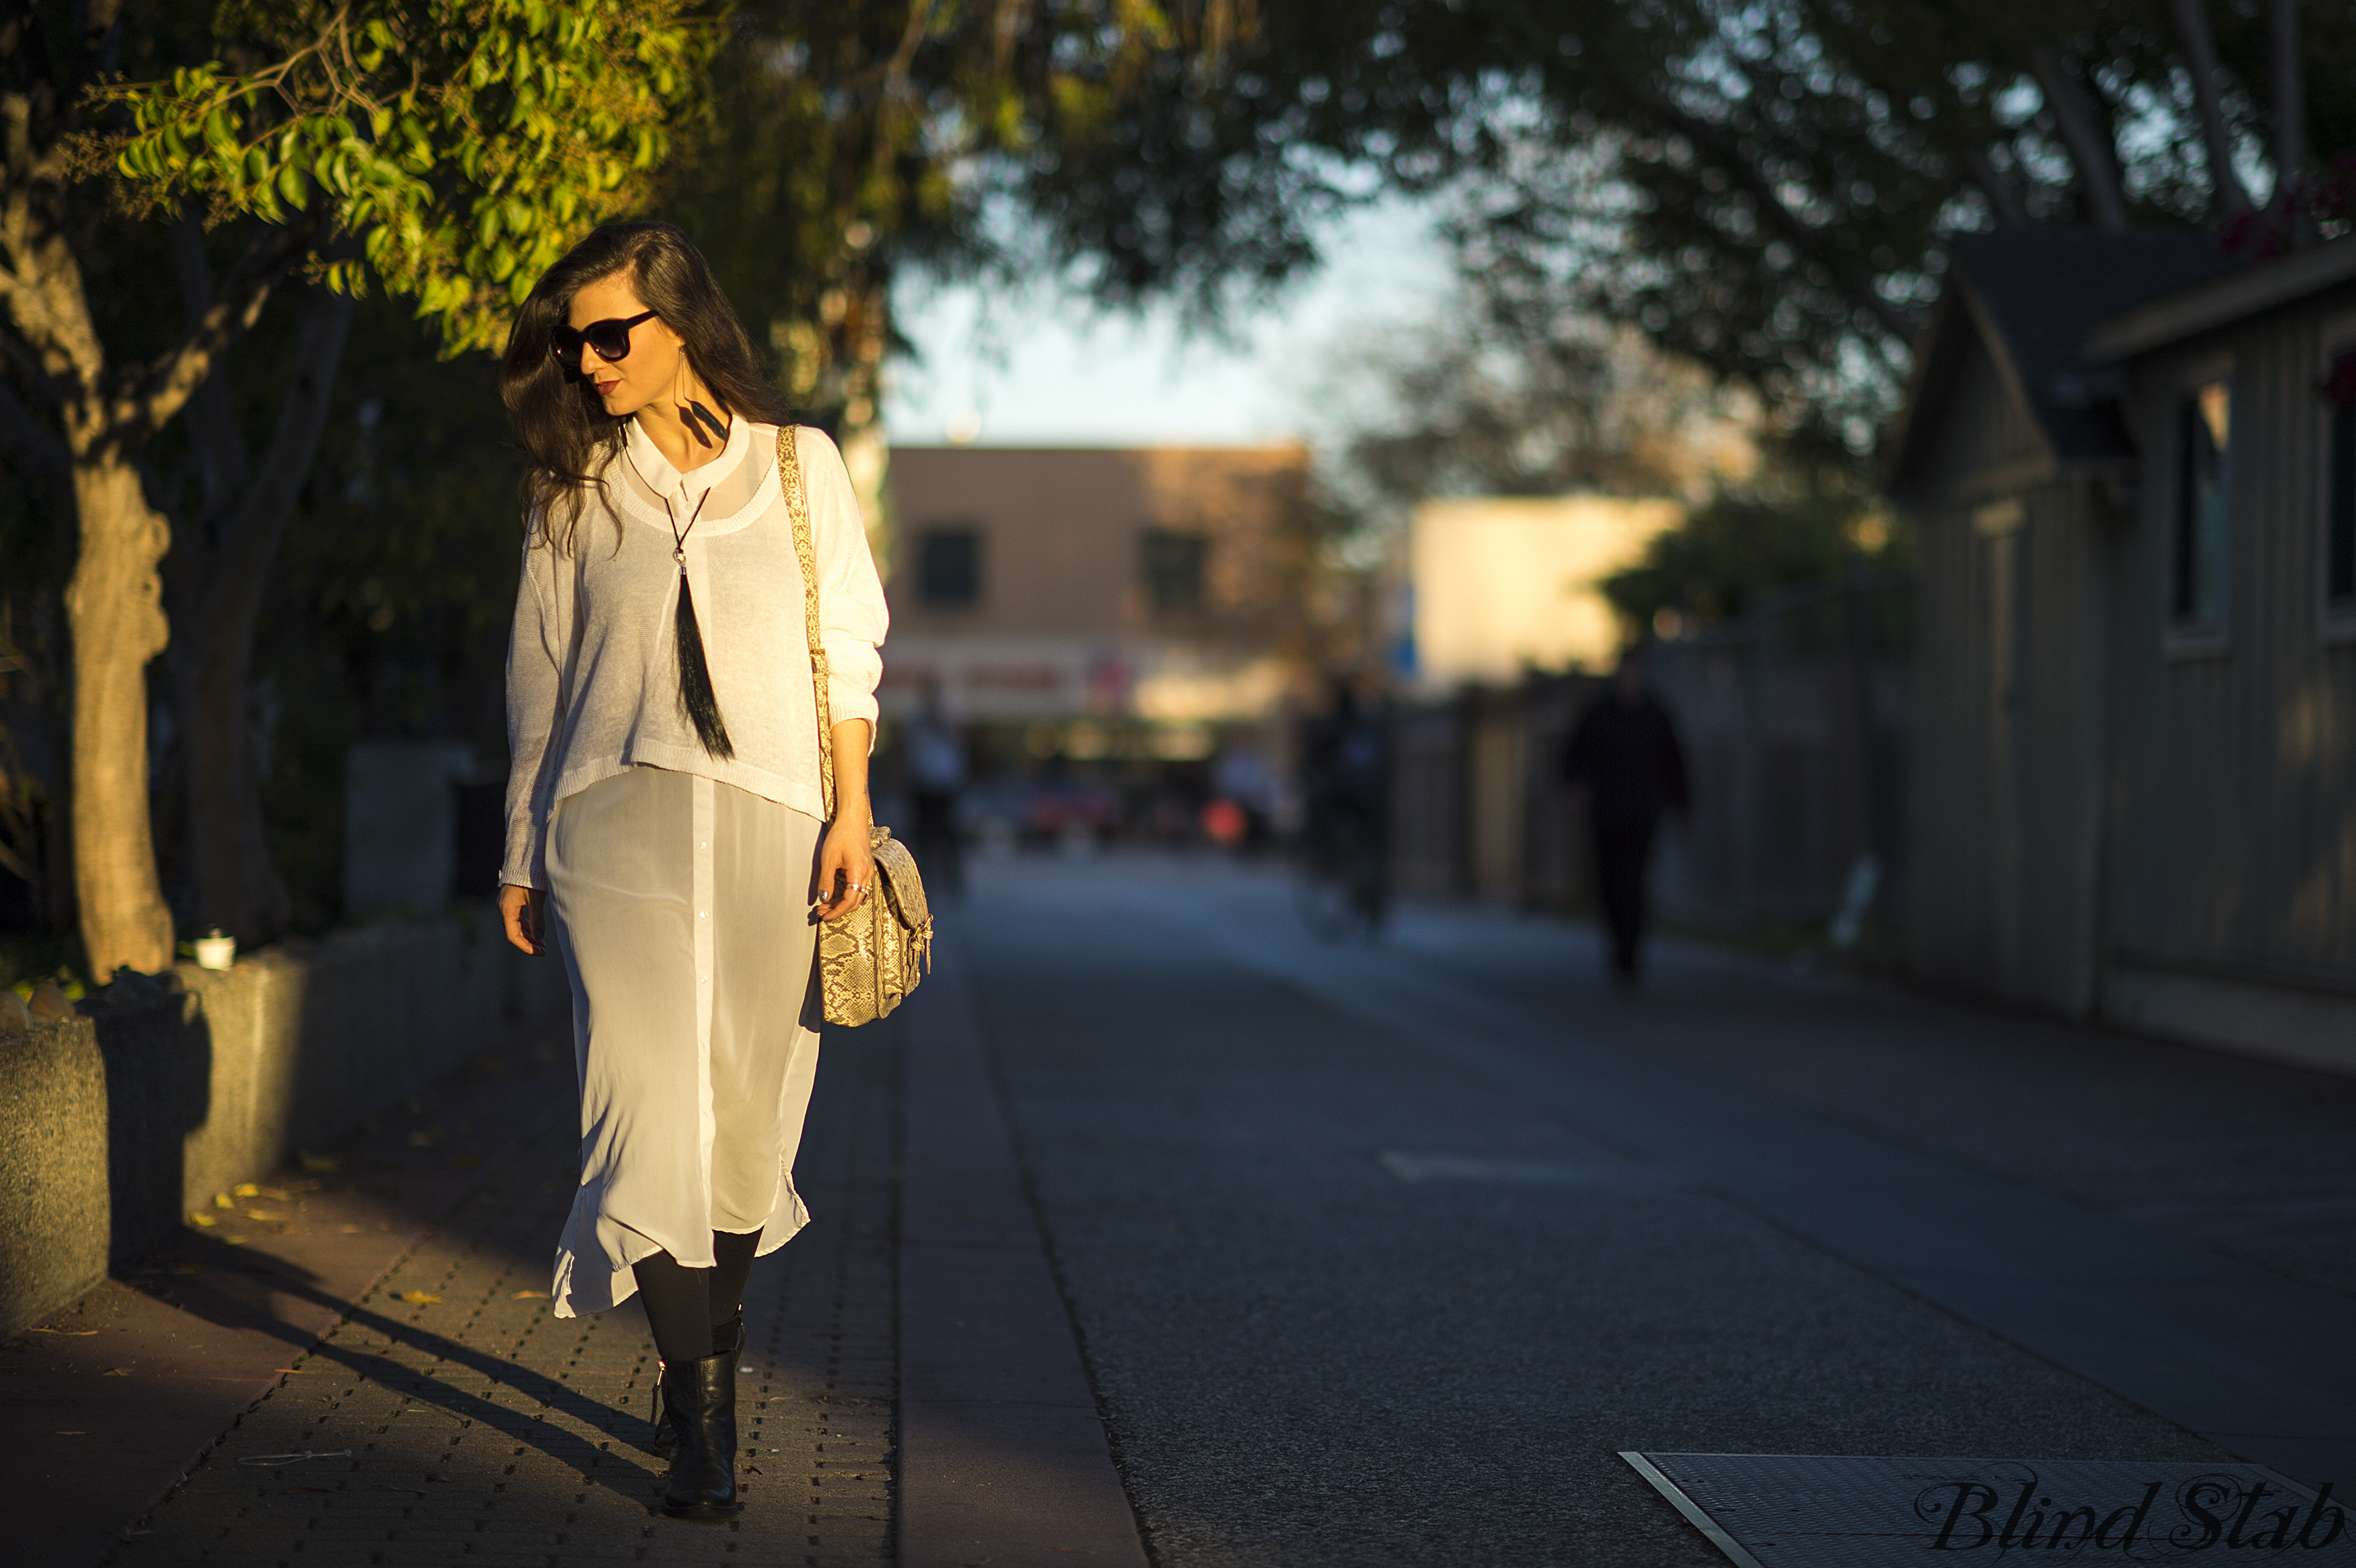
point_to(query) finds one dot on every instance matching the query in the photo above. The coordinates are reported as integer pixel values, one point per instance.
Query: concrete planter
(115, 1125)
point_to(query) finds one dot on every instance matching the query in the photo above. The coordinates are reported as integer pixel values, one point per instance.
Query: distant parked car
(1058, 810)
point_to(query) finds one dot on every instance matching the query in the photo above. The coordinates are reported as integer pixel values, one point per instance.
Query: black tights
(693, 1310)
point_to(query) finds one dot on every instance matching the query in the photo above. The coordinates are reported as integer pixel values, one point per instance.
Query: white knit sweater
(593, 669)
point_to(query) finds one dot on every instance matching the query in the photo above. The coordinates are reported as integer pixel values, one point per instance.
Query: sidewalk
(469, 1424)
(361, 1364)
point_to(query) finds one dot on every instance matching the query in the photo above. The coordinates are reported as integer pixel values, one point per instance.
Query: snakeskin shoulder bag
(870, 959)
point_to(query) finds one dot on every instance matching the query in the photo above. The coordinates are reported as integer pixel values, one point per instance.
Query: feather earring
(697, 416)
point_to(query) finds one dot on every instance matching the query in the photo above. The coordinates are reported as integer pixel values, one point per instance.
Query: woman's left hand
(846, 868)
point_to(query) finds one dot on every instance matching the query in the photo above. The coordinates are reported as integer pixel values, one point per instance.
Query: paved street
(1375, 1255)
(1380, 1254)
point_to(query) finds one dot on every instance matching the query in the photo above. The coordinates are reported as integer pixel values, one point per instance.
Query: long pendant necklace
(678, 534)
(697, 700)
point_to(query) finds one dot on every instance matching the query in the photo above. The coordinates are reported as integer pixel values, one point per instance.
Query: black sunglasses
(610, 338)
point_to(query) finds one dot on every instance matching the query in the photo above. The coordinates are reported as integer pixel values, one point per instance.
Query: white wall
(1501, 583)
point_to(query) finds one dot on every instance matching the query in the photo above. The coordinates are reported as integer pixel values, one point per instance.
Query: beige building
(1136, 599)
(1499, 584)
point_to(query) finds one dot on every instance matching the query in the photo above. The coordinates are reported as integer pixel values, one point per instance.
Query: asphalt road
(1380, 1255)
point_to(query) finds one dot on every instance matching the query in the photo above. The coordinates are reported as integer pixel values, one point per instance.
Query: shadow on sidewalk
(234, 1288)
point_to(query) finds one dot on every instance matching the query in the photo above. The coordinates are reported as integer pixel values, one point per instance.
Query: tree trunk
(219, 575)
(114, 611)
(2087, 139)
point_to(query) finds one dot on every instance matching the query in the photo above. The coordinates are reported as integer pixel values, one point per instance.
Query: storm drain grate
(1826, 1510)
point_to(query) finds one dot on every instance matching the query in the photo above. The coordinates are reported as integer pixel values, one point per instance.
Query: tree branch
(2290, 95)
(172, 378)
(2201, 59)
(2089, 147)
(221, 461)
(249, 540)
(1894, 321)
(2001, 199)
(51, 310)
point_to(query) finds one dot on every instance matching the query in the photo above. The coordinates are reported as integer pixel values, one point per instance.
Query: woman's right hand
(524, 910)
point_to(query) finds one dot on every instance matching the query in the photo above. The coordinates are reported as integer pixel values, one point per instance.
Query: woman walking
(664, 824)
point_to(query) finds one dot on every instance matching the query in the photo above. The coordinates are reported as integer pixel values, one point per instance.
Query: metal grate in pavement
(483, 1431)
(1822, 1510)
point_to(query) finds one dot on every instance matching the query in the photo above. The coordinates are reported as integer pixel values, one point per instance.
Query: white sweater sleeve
(852, 615)
(535, 690)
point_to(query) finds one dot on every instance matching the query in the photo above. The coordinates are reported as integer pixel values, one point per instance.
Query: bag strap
(790, 479)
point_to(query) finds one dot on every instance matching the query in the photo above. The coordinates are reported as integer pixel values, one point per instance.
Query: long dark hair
(566, 435)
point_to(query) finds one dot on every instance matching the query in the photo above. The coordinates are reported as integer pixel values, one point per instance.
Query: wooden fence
(1794, 723)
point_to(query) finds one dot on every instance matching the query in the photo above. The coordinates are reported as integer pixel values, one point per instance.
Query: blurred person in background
(1345, 801)
(1624, 758)
(937, 774)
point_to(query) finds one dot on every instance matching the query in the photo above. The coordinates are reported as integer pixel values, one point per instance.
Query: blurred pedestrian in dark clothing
(936, 773)
(1345, 801)
(1345, 761)
(1624, 755)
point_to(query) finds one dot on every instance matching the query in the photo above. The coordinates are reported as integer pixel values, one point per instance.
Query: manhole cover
(1826, 1510)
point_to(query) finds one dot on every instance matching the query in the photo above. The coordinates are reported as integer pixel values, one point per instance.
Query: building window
(2339, 488)
(1173, 570)
(2203, 507)
(948, 568)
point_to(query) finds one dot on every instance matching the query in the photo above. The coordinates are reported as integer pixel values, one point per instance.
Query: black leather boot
(700, 1403)
(727, 1339)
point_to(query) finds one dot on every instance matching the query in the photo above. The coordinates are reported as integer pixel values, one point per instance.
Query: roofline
(1898, 447)
(2177, 317)
(1960, 309)
(1999, 349)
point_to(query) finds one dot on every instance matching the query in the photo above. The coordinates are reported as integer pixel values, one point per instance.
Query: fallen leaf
(70, 1333)
(116, 1373)
(246, 1190)
(234, 1241)
(519, 1296)
(223, 1200)
(420, 1298)
(202, 1220)
(257, 1214)
(321, 1164)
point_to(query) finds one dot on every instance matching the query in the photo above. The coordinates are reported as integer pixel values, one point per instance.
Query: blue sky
(1049, 370)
